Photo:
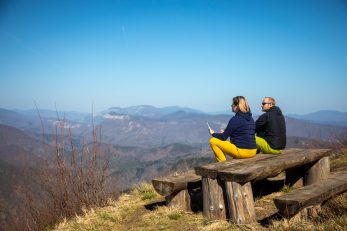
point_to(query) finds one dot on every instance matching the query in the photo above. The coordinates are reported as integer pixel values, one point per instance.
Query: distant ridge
(149, 111)
(149, 126)
(330, 117)
(67, 115)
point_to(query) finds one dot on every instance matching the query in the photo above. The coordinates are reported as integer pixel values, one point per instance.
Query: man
(270, 128)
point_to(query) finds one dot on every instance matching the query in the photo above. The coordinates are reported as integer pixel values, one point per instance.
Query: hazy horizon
(208, 112)
(75, 55)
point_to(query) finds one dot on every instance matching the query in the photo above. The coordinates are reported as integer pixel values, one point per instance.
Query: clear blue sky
(198, 54)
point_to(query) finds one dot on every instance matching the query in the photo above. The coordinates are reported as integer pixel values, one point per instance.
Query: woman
(240, 129)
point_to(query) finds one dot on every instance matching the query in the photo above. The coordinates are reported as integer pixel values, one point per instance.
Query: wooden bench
(292, 203)
(177, 189)
(226, 186)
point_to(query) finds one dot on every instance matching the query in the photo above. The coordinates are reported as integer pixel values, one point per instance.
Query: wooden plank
(214, 207)
(211, 170)
(240, 202)
(317, 172)
(181, 199)
(269, 167)
(309, 173)
(296, 200)
(166, 186)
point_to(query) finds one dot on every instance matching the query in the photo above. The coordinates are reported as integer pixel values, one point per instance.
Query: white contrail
(19, 41)
(124, 34)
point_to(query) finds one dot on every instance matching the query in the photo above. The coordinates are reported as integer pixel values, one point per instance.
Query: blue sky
(198, 54)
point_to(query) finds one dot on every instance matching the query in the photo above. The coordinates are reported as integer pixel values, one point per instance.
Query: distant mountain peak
(331, 117)
(115, 116)
(148, 110)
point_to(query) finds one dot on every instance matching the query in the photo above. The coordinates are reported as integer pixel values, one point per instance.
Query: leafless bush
(71, 177)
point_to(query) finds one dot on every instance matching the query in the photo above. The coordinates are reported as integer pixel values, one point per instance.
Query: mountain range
(324, 117)
(136, 137)
(139, 136)
(141, 141)
(149, 126)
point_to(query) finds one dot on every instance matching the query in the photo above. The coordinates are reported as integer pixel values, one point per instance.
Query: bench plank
(291, 203)
(166, 186)
(269, 167)
(211, 170)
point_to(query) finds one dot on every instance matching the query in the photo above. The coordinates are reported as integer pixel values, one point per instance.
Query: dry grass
(129, 213)
(338, 159)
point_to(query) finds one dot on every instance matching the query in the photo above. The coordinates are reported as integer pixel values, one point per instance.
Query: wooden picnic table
(226, 186)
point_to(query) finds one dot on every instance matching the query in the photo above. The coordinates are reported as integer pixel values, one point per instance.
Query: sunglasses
(263, 103)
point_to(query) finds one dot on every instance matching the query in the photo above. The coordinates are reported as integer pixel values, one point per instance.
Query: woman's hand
(211, 131)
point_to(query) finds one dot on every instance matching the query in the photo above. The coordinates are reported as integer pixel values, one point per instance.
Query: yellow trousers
(220, 148)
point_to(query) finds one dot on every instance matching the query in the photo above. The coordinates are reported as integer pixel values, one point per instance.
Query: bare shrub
(71, 177)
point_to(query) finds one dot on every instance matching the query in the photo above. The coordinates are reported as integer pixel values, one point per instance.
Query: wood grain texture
(181, 199)
(240, 202)
(269, 167)
(214, 207)
(318, 171)
(211, 170)
(291, 203)
(166, 186)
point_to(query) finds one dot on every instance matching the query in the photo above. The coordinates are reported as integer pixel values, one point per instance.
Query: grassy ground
(131, 212)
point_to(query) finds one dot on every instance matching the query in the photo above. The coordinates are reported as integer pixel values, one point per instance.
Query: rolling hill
(329, 117)
(141, 142)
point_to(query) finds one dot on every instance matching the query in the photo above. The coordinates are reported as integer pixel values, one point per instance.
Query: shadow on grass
(267, 186)
(195, 196)
(155, 205)
(267, 221)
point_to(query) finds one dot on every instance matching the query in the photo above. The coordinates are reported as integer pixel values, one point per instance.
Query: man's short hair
(272, 100)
